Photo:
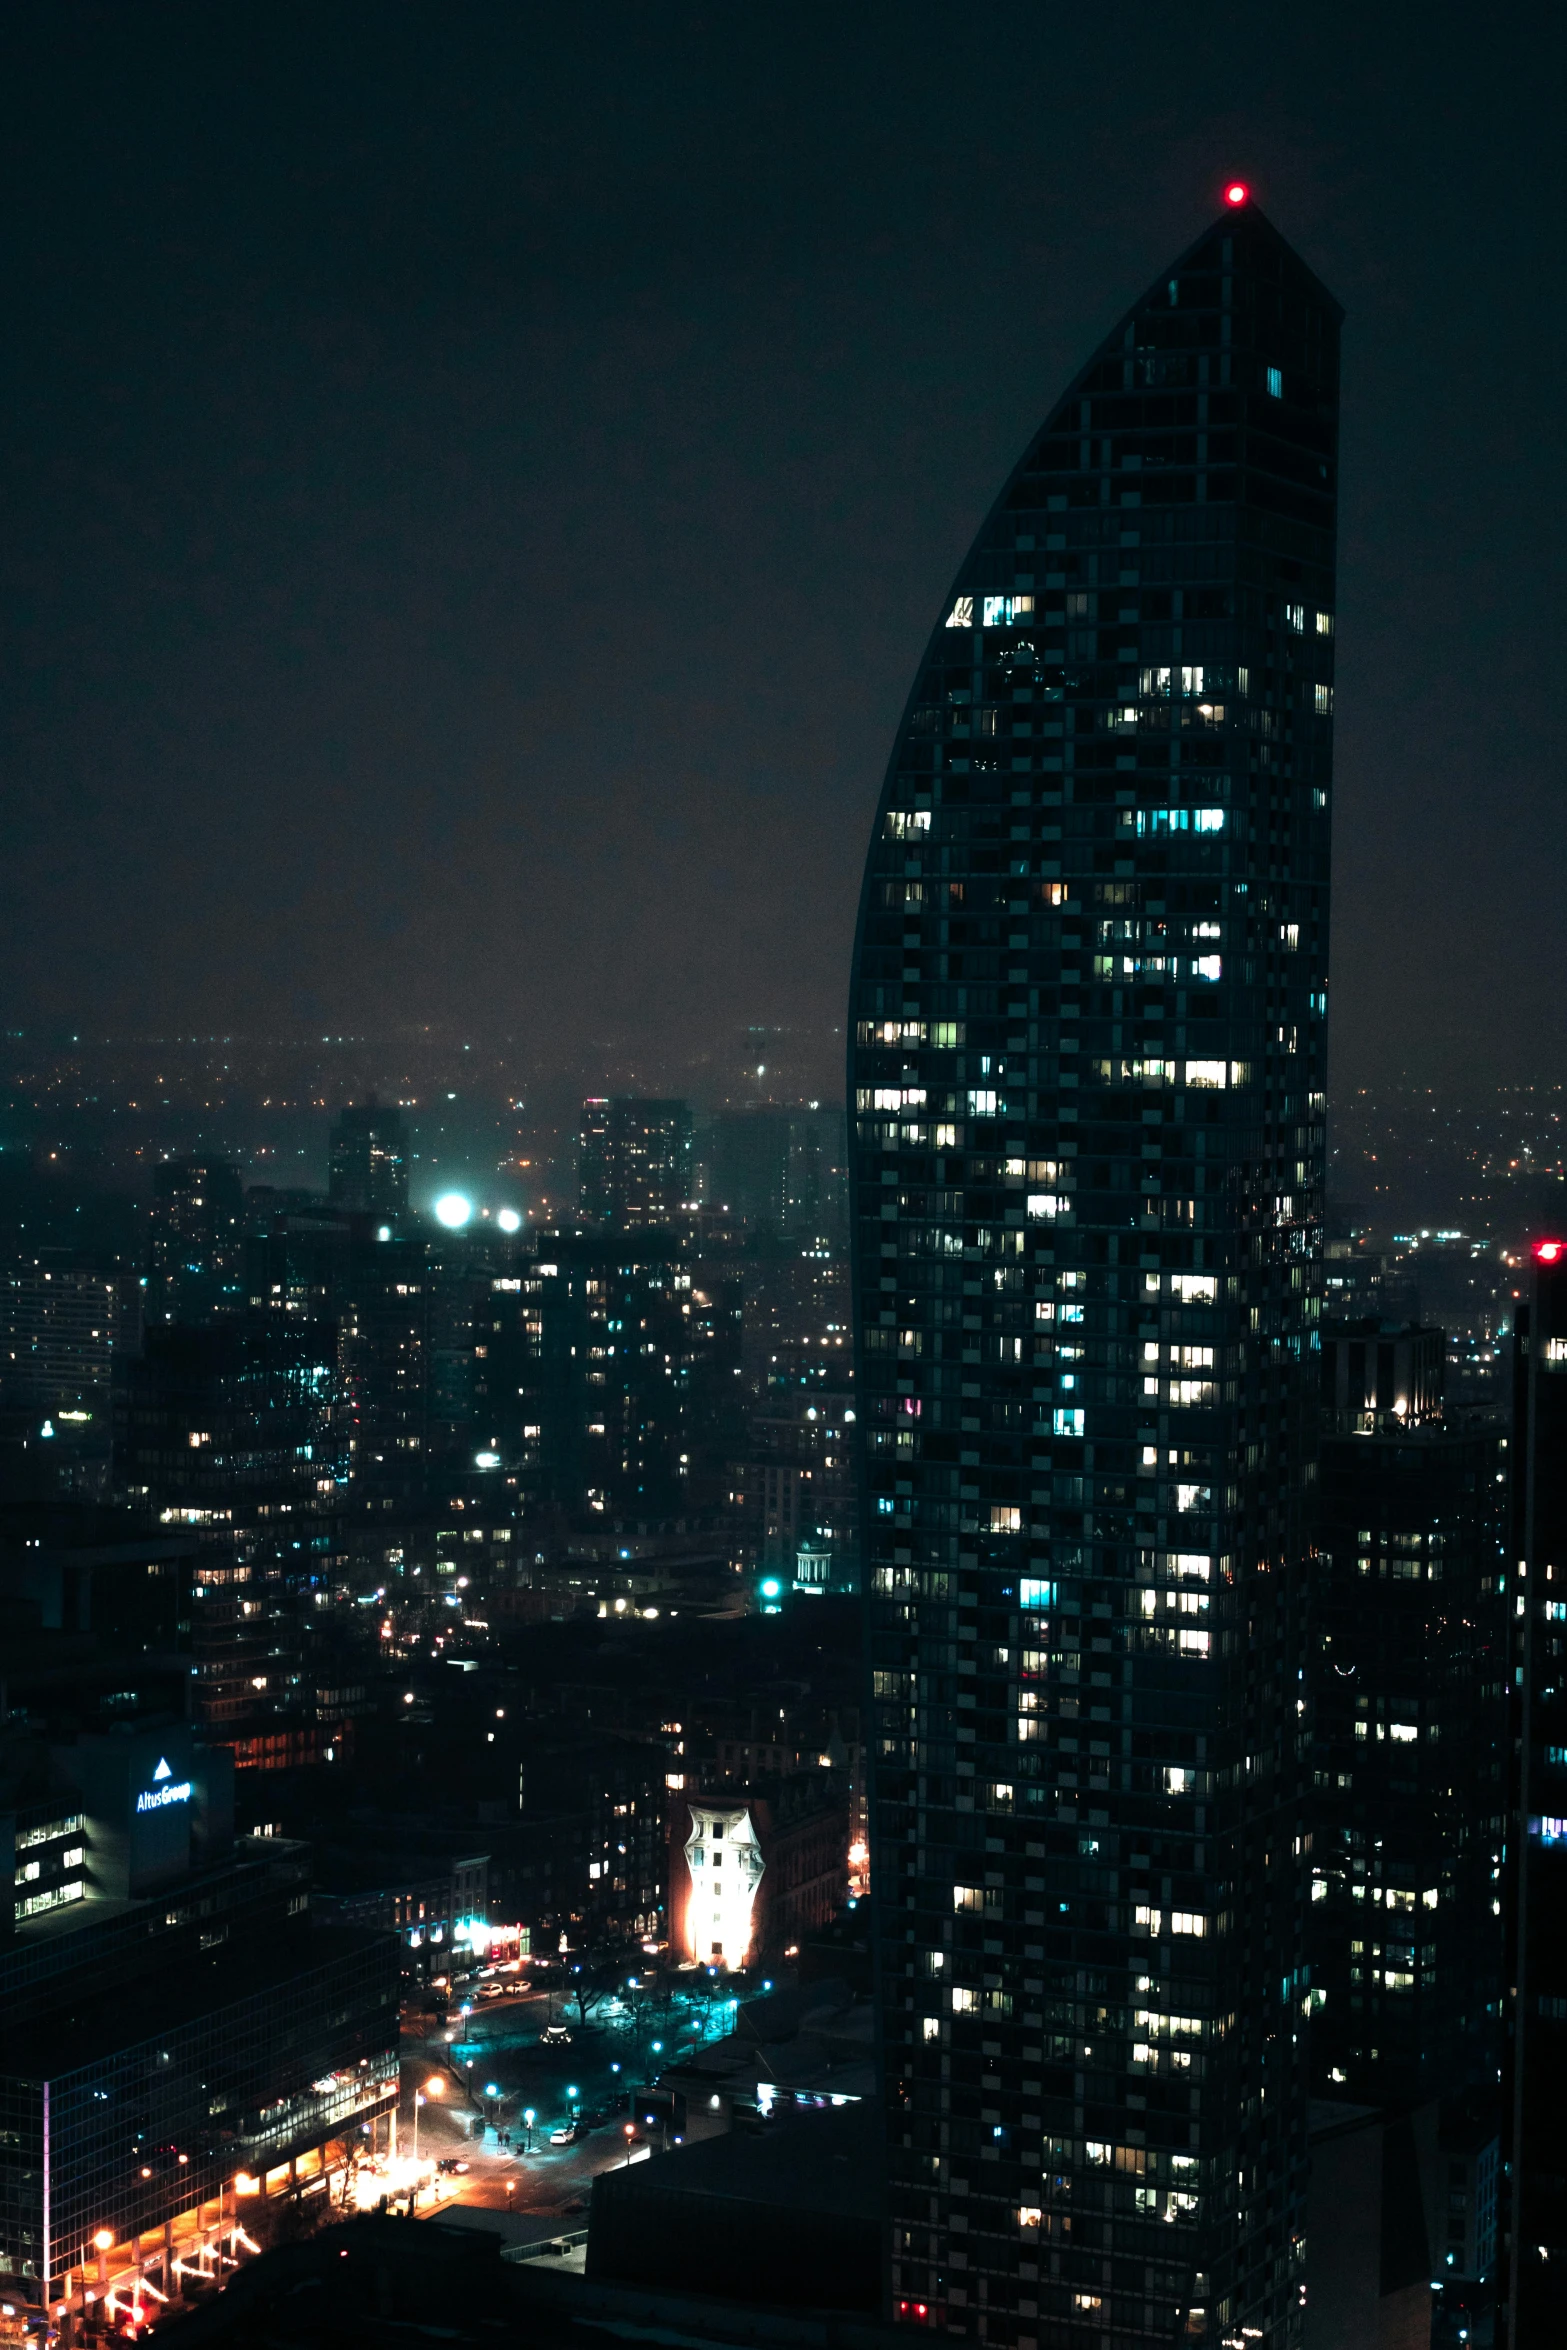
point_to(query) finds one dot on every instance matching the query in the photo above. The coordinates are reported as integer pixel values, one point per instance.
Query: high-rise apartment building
(605, 1378)
(196, 1260)
(369, 1160)
(1087, 1068)
(1409, 1709)
(782, 1171)
(235, 1432)
(634, 1162)
(1535, 2064)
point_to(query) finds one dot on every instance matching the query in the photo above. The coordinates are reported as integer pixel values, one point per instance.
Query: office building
(368, 1169)
(1087, 1069)
(175, 2034)
(1535, 2076)
(1409, 1707)
(634, 1162)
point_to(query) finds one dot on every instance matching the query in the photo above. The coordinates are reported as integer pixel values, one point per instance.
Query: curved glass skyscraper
(1087, 1069)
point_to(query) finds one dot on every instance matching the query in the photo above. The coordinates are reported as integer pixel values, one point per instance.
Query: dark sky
(478, 480)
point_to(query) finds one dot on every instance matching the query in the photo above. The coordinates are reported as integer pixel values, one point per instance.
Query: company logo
(165, 1789)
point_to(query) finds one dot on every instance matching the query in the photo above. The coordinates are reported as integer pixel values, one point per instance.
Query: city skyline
(797, 1533)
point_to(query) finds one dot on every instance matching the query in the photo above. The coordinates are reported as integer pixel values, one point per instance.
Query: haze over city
(783, 1194)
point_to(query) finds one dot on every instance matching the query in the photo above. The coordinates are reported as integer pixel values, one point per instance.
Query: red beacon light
(1549, 1252)
(1236, 193)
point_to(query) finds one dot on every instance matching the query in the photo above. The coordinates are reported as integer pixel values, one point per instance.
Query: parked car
(566, 2135)
(554, 2036)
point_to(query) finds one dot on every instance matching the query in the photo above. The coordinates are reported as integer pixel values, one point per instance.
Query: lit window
(982, 1898)
(1324, 701)
(962, 613)
(1275, 383)
(1068, 1422)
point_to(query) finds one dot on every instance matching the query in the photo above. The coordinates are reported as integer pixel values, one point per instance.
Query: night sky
(478, 482)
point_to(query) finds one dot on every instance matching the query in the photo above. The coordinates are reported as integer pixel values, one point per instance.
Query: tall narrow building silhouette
(1087, 1057)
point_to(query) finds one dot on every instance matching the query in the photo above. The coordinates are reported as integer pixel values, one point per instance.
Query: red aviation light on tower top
(1236, 193)
(1549, 1252)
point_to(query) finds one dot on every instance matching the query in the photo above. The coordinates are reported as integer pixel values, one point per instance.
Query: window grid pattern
(1086, 1071)
(244, 2086)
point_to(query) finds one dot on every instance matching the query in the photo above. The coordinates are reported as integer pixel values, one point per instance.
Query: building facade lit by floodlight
(723, 1857)
(1087, 1063)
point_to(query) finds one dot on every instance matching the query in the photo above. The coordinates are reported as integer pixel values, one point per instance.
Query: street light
(528, 2119)
(434, 2087)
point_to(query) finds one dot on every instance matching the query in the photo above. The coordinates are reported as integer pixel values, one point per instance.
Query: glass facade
(137, 2103)
(1087, 1058)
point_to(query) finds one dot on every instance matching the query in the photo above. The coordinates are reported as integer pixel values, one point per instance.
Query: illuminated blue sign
(165, 1790)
